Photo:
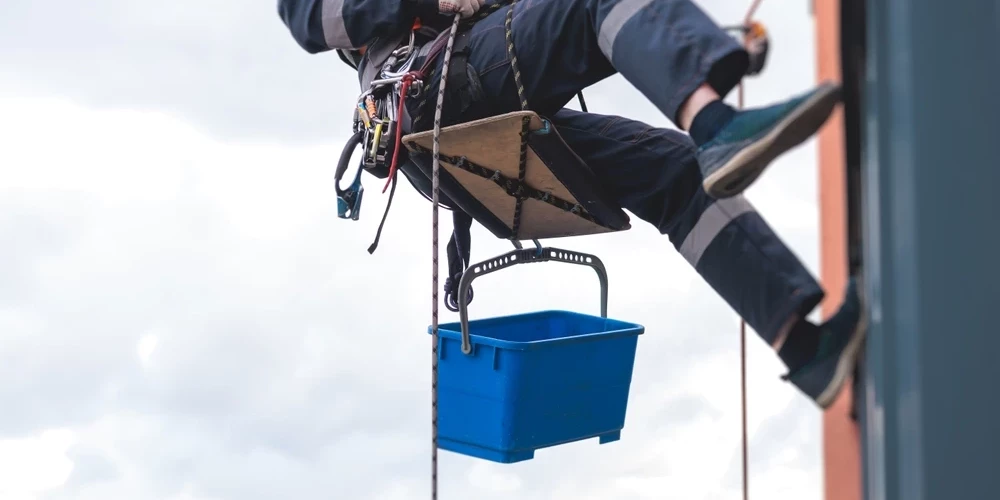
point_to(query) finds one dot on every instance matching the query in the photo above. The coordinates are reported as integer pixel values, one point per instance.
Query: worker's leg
(670, 50)
(653, 173)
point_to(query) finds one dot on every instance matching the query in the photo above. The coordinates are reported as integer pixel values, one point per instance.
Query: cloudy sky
(182, 315)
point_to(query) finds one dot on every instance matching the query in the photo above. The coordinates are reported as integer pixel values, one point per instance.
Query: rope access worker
(687, 185)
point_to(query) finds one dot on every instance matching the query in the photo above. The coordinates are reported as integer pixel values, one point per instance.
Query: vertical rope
(743, 372)
(435, 188)
(435, 200)
(743, 391)
(743, 324)
(751, 11)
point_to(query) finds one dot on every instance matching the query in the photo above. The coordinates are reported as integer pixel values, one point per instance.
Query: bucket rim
(452, 331)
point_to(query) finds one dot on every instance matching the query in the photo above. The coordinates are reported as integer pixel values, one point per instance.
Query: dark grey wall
(931, 179)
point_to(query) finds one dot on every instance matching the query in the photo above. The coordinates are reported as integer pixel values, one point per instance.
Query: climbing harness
(377, 128)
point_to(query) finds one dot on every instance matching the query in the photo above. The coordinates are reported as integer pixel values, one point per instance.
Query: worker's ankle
(800, 346)
(694, 103)
(710, 120)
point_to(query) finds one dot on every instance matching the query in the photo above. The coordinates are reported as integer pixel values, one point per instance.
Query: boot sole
(746, 166)
(848, 358)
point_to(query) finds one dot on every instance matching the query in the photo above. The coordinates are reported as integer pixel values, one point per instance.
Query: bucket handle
(525, 256)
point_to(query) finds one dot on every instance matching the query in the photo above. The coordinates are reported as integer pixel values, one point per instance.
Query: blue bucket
(532, 381)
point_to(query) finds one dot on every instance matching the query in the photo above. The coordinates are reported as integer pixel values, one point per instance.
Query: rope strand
(743, 374)
(525, 122)
(743, 324)
(743, 378)
(435, 188)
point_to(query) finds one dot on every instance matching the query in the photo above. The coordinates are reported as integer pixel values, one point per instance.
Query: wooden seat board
(495, 143)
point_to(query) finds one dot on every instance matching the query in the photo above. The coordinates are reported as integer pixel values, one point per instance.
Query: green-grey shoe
(740, 152)
(841, 337)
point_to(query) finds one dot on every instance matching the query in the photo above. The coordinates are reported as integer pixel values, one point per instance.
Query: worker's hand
(465, 7)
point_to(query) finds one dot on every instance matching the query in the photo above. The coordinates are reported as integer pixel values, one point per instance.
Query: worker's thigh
(652, 172)
(665, 48)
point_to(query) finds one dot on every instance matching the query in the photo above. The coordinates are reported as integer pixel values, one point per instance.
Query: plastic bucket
(532, 381)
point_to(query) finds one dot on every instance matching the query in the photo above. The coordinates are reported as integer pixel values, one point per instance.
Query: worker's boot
(741, 150)
(840, 339)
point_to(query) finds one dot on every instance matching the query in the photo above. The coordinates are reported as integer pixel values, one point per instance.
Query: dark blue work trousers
(666, 49)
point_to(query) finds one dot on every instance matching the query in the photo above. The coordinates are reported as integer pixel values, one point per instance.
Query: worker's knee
(650, 171)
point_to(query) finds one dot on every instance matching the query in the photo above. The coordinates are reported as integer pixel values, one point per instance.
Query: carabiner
(349, 200)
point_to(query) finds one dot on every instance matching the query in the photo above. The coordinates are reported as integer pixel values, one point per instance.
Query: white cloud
(145, 348)
(30, 466)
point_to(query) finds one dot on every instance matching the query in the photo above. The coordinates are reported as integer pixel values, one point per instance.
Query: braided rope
(525, 122)
(435, 188)
(435, 199)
